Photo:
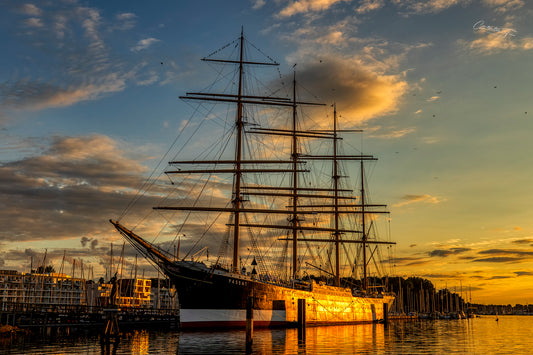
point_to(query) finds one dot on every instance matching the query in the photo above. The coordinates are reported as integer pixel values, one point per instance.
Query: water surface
(485, 335)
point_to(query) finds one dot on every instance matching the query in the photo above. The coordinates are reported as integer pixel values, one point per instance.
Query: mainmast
(238, 159)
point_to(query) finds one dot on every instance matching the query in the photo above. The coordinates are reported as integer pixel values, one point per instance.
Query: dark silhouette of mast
(238, 173)
(294, 156)
(363, 225)
(336, 200)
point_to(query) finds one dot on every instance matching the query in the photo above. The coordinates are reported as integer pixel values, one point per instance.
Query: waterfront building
(47, 288)
(62, 289)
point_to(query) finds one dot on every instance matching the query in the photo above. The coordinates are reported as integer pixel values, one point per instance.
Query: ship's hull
(215, 298)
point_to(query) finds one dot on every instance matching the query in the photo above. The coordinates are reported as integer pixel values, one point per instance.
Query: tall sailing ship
(292, 236)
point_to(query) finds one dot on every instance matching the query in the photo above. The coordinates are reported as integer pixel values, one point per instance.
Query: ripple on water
(511, 334)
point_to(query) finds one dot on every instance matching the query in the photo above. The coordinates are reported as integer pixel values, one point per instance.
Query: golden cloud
(496, 42)
(304, 6)
(410, 199)
(504, 5)
(428, 6)
(360, 92)
(369, 5)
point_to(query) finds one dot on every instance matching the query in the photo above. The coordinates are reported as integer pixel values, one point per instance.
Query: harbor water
(483, 335)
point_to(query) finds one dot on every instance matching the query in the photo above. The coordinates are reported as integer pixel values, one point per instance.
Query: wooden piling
(301, 313)
(301, 321)
(249, 323)
(385, 313)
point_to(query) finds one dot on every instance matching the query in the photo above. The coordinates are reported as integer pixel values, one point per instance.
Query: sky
(89, 103)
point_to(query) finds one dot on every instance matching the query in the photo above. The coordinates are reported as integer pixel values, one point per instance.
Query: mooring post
(386, 313)
(301, 320)
(301, 313)
(249, 323)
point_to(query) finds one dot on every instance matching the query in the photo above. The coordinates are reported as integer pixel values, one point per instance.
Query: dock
(26, 315)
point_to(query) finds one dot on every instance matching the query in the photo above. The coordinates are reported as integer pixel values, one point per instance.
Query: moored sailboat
(312, 215)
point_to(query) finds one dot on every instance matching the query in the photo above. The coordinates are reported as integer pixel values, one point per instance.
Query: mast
(238, 158)
(363, 220)
(336, 199)
(294, 156)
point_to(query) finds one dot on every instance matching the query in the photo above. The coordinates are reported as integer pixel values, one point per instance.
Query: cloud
(406, 7)
(409, 261)
(125, 21)
(257, 4)
(92, 242)
(144, 44)
(125, 16)
(369, 5)
(78, 65)
(503, 6)
(410, 199)
(398, 133)
(507, 252)
(447, 252)
(501, 259)
(360, 93)
(505, 255)
(33, 22)
(439, 276)
(91, 21)
(427, 6)
(30, 10)
(523, 273)
(497, 42)
(36, 95)
(523, 241)
(433, 98)
(71, 189)
(84, 241)
(361, 75)
(498, 277)
(305, 6)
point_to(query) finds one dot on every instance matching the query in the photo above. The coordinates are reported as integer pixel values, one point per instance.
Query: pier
(26, 315)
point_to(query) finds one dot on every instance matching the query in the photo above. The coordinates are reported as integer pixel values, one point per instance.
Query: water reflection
(511, 334)
(139, 343)
(362, 338)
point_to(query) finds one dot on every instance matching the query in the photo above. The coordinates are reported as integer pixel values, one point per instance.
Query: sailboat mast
(336, 199)
(365, 279)
(294, 155)
(238, 159)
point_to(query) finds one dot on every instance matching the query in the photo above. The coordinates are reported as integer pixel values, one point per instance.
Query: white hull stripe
(230, 315)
